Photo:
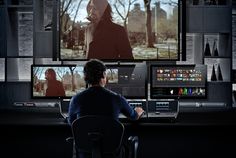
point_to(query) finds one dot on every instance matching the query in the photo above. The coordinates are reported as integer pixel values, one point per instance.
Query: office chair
(101, 137)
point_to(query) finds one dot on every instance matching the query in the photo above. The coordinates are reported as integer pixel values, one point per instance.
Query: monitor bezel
(176, 97)
(129, 66)
(48, 65)
(57, 43)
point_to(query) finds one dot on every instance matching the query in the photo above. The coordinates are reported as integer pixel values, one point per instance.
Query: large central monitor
(127, 80)
(178, 81)
(56, 81)
(134, 33)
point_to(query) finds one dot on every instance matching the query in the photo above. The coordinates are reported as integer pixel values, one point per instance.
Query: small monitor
(56, 81)
(178, 81)
(127, 80)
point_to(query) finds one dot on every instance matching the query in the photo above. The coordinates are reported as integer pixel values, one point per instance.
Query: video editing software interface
(127, 80)
(178, 81)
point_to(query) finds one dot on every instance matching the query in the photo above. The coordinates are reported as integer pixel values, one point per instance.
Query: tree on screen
(38, 71)
(62, 72)
(68, 10)
(123, 9)
(149, 38)
(168, 28)
(76, 12)
(72, 78)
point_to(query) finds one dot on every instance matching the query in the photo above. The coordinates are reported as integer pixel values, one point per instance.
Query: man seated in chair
(97, 100)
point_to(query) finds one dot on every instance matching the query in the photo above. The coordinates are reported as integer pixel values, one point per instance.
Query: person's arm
(133, 114)
(139, 111)
(123, 45)
(73, 110)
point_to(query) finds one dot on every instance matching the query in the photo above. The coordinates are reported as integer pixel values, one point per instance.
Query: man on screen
(103, 38)
(54, 87)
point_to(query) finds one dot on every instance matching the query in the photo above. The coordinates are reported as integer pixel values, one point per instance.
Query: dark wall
(17, 92)
(2, 33)
(167, 142)
(11, 92)
(2, 93)
(35, 142)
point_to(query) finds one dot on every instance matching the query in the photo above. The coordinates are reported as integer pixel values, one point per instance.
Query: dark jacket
(97, 100)
(55, 88)
(109, 41)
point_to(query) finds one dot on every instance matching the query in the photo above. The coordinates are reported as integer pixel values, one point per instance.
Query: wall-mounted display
(126, 37)
(218, 69)
(2, 69)
(217, 45)
(234, 95)
(48, 15)
(234, 39)
(18, 69)
(43, 24)
(25, 33)
(194, 48)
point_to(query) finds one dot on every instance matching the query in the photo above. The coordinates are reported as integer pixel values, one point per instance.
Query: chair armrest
(70, 139)
(133, 138)
(133, 145)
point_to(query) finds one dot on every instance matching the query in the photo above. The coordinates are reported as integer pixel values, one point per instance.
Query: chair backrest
(97, 135)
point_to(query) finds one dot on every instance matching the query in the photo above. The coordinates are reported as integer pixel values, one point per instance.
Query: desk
(30, 133)
(52, 117)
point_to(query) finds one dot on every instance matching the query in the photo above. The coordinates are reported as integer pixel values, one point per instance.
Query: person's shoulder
(117, 27)
(58, 82)
(112, 93)
(80, 94)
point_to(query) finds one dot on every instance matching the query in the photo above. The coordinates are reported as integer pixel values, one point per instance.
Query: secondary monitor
(56, 81)
(127, 80)
(178, 81)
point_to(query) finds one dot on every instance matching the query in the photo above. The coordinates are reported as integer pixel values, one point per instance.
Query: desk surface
(52, 117)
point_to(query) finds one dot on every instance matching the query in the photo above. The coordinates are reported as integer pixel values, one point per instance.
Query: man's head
(99, 10)
(94, 72)
(50, 74)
